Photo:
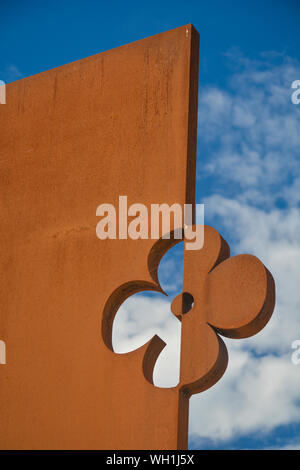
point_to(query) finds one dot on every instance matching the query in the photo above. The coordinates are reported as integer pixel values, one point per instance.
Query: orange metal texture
(119, 123)
(232, 297)
(122, 122)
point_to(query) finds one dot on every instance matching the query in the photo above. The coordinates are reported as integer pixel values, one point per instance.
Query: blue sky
(248, 176)
(39, 35)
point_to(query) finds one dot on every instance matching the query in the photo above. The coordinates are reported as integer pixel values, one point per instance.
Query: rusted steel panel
(122, 122)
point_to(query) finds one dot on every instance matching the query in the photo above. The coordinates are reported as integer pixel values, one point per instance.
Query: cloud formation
(250, 147)
(250, 135)
(249, 132)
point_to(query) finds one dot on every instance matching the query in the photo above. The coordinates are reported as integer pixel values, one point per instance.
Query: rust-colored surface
(232, 297)
(122, 122)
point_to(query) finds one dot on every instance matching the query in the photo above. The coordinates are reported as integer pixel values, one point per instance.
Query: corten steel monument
(122, 122)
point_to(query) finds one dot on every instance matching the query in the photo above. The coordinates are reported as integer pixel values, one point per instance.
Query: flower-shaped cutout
(232, 297)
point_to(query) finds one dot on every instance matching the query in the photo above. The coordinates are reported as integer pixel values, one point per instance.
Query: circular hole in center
(187, 302)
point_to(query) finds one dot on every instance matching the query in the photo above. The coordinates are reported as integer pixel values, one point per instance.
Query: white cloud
(255, 395)
(258, 392)
(249, 136)
(137, 321)
(255, 152)
(251, 133)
